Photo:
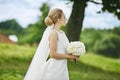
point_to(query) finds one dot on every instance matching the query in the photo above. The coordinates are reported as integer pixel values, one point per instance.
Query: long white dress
(56, 69)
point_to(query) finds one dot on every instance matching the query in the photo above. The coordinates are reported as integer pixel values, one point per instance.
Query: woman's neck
(57, 26)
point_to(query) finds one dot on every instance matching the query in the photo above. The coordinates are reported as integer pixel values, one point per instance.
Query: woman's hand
(77, 57)
(71, 56)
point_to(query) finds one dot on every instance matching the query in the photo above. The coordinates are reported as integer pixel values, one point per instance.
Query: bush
(108, 46)
(89, 37)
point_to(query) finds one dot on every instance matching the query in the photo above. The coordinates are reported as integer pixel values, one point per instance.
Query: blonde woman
(53, 43)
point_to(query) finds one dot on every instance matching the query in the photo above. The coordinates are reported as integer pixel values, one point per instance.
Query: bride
(53, 43)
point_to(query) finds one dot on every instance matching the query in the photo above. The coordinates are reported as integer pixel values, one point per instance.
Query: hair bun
(48, 21)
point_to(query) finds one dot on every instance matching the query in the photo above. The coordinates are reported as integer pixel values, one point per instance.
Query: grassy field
(15, 59)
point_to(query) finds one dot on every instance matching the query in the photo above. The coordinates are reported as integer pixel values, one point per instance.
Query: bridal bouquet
(77, 48)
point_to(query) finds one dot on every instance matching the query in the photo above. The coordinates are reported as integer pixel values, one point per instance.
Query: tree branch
(95, 2)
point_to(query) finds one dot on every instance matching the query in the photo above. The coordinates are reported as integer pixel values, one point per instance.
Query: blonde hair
(53, 16)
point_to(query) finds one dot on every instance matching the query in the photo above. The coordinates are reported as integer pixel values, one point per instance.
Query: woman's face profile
(63, 19)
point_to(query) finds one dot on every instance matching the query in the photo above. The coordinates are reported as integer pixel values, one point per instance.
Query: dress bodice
(62, 42)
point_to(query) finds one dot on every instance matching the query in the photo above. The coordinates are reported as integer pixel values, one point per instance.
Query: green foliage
(16, 60)
(109, 46)
(78, 12)
(116, 30)
(10, 24)
(33, 33)
(11, 27)
(112, 6)
(63, 28)
(104, 41)
(90, 36)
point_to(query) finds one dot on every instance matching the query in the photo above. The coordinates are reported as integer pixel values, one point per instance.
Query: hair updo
(53, 16)
(48, 21)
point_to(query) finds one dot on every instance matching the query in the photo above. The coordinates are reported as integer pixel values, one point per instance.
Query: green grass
(95, 67)
(15, 59)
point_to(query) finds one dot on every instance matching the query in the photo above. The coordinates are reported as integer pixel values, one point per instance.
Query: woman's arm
(53, 47)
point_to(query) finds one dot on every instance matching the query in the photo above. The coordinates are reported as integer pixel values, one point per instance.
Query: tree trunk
(75, 21)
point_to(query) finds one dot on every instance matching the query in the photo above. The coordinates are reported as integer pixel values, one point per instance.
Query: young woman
(53, 42)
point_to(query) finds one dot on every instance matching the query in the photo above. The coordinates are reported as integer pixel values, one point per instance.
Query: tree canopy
(77, 16)
(10, 27)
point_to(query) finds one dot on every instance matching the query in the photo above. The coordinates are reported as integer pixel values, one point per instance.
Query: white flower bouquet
(77, 48)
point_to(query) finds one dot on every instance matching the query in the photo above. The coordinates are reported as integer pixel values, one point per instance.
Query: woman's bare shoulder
(53, 33)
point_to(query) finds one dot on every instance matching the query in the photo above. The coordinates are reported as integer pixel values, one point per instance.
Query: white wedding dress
(52, 69)
(56, 69)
